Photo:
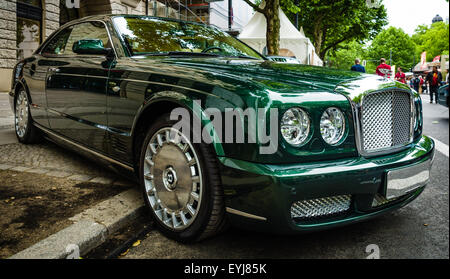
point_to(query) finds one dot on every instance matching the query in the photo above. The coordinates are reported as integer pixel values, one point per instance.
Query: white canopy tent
(292, 41)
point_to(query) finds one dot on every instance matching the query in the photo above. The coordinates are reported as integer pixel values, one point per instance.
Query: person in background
(434, 80)
(421, 84)
(415, 83)
(358, 67)
(384, 70)
(400, 76)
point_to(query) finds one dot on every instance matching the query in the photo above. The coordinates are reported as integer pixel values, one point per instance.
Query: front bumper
(260, 196)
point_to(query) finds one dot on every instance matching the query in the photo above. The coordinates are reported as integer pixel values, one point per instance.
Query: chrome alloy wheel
(173, 179)
(21, 115)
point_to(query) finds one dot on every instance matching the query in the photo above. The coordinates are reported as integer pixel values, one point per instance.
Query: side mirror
(91, 47)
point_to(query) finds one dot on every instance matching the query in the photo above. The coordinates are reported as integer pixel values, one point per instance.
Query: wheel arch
(19, 85)
(157, 106)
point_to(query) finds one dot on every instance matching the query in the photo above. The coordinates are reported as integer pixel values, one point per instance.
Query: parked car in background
(284, 59)
(443, 95)
(348, 146)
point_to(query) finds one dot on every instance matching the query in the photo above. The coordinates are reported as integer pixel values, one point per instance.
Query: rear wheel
(181, 183)
(26, 132)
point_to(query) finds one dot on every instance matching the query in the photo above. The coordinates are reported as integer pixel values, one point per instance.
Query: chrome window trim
(71, 25)
(357, 119)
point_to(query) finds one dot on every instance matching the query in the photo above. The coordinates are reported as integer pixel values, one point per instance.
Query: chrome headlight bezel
(304, 124)
(340, 121)
(417, 114)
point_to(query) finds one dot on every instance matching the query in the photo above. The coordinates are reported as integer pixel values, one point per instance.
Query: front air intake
(320, 208)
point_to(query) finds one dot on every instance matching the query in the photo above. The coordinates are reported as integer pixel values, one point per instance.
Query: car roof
(105, 17)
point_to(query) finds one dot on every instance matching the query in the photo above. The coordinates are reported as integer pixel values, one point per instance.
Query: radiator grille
(386, 120)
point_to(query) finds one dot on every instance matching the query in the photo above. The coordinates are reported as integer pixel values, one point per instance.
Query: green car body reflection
(103, 85)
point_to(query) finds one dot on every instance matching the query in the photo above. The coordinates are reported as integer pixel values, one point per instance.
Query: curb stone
(91, 228)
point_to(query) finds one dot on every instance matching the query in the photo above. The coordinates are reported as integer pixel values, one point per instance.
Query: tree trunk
(273, 26)
(318, 35)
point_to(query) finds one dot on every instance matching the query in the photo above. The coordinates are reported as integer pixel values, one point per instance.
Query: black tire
(30, 134)
(211, 218)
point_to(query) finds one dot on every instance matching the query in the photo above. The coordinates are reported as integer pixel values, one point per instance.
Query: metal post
(296, 15)
(230, 14)
(146, 7)
(390, 57)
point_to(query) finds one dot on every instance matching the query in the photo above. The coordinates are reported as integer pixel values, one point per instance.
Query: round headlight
(332, 126)
(295, 126)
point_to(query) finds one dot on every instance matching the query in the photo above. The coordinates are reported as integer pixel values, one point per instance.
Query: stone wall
(8, 28)
(50, 17)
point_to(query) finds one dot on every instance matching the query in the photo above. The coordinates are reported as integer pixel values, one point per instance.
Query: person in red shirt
(384, 70)
(422, 82)
(400, 76)
(434, 79)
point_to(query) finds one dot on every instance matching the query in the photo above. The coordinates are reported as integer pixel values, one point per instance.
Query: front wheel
(181, 184)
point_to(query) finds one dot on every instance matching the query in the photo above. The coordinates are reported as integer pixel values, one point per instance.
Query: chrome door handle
(54, 70)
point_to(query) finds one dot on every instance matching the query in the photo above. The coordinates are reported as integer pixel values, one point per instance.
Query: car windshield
(153, 36)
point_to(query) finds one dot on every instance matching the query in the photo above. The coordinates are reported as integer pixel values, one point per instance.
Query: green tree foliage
(401, 44)
(330, 23)
(433, 39)
(345, 56)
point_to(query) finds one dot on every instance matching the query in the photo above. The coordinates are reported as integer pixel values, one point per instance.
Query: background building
(25, 24)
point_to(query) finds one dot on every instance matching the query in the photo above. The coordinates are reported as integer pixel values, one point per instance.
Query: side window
(85, 31)
(58, 44)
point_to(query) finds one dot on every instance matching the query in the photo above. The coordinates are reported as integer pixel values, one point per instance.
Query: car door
(35, 74)
(76, 89)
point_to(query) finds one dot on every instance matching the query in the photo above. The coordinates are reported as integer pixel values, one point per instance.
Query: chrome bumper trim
(247, 215)
(45, 130)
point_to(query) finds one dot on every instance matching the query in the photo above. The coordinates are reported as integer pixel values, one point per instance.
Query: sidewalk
(6, 115)
(43, 186)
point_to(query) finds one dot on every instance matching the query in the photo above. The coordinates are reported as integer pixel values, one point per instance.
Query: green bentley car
(175, 106)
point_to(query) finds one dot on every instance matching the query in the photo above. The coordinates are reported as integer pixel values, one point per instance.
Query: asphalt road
(419, 230)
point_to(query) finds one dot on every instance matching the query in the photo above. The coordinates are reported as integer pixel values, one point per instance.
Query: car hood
(287, 78)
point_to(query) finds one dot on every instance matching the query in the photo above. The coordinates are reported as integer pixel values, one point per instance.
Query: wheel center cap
(170, 178)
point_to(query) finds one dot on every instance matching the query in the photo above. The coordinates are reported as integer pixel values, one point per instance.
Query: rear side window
(57, 45)
(84, 31)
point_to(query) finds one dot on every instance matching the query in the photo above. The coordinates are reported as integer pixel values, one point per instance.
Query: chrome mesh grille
(386, 120)
(322, 207)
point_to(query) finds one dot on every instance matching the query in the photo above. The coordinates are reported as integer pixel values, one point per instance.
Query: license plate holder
(403, 181)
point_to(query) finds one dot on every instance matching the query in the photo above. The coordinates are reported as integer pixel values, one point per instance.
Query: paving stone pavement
(6, 114)
(46, 158)
(52, 160)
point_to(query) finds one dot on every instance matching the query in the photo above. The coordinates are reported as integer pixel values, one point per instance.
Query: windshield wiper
(246, 57)
(179, 53)
(195, 54)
